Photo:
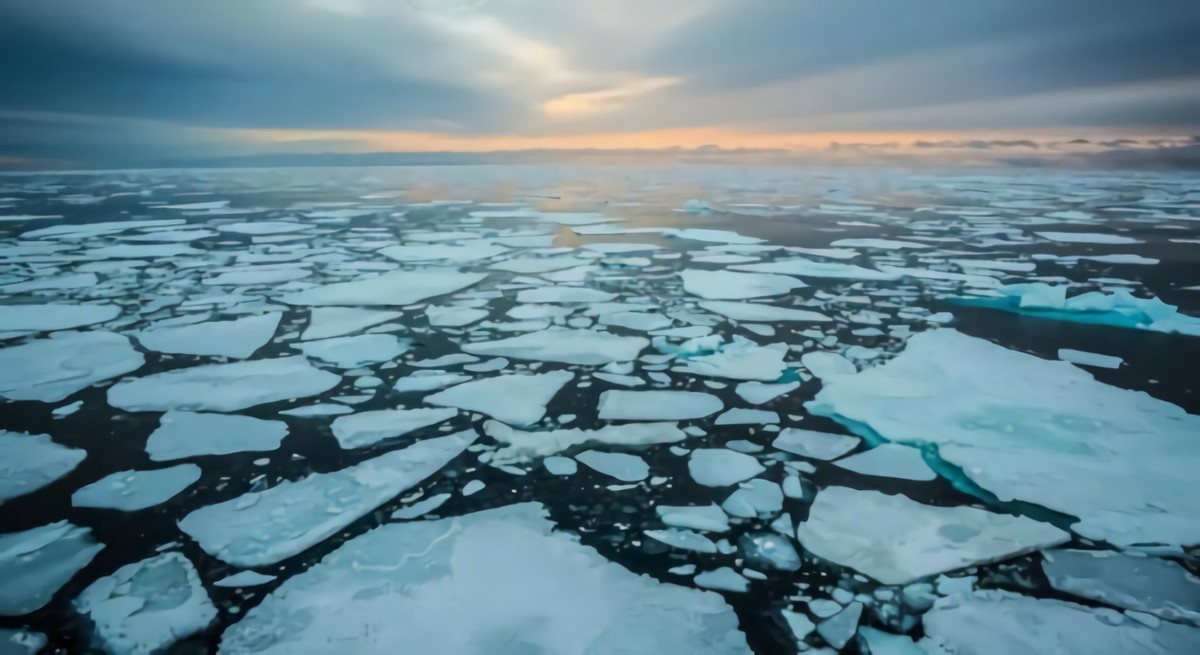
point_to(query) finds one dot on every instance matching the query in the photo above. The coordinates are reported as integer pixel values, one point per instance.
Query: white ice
(880, 244)
(728, 285)
(757, 393)
(389, 289)
(237, 338)
(243, 579)
(741, 359)
(465, 252)
(754, 498)
(190, 434)
(622, 466)
(589, 347)
(1035, 430)
(748, 311)
(52, 369)
(133, 490)
(813, 444)
(896, 540)
(839, 629)
(29, 462)
(740, 416)
(683, 540)
(497, 582)
(720, 467)
(557, 465)
(35, 563)
(421, 507)
(1084, 358)
(222, 387)
(563, 295)
(708, 518)
(808, 268)
(326, 322)
(428, 381)
(889, 460)
(1155, 586)
(621, 405)
(147, 606)
(358, 350)
(521, 446)
(265, 527)
(514, 399)
(454, 316)
(367, 428)
(825, 364)
(1088, 237)
(44, 318)
(722, 579)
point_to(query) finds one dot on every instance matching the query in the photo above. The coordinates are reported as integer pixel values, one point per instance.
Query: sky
(126, 82)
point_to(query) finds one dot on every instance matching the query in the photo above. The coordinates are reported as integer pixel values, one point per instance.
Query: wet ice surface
(915, 413)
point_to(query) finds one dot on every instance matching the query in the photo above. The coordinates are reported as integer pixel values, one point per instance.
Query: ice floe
(896, 540)
(52, 369)
(130, 491)
(183, 434)
(565, 345)
(514, 399)
(238, 338)
(355, 351)
(222, 387)
(1143, 584)
(389, 289)
(1084, 358)
(622, 466)
(521, 446)
(757, 393)
(813, 444)
(748, 311)
(620, 405)
(367, 428)
(326, 322)
(29, 462)
(44, 318)
(264, 527)
(244, 579)
(1119, 308)
(729, 285)
(807, 268)
(436, 587)
(36, 563)
(890, 461)
(720, 467)
(741, 359)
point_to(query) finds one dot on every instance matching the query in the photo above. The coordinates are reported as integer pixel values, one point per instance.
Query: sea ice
(749, 311)
(887, 643)
(1119, 308)
(556, 465)
(1088, 237)
(454, 316)
(238, 338)
(1144, 584)
(879, 244)
(392, 289)
(683, 540)
(222, 387)
(770, 551)
(326, 322)
(265, 527)
(889, 460)
(722, 579)
(1084, 358)
(740, 360)
(839, 629)
(620, 405)
(720, 467)
(497, 579)
(244, 579)
(421, 507)
(44, 318)
(622, 466)
(190, 434)
(355, 351)
(130, 491)
(563, 295)
(146, 606)
(466, 252)
(754, 498)
(808, 268)
(1035, 430)
(29, 462)
(367, 428)
(21, 642)
(757, 393)
(728, 285)
(708, 518)
(641, 321)
(52, 369)
(514, 399)
(813, 444)
(824, 364)
(520, 446)
(896, 540)
(588, 347)
(740, 416)
(35, 563)
(428, 381)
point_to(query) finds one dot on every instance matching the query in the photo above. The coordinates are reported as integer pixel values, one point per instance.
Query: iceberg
(191, 434)
(720, 467)
(130, 491)
(146, 606)
(1044, 432)
(237, 339)
(222, 387)
(896, 540)
(265, 527)
(51, 369)
(587, 347)
(368, 428)
(356, 351)
(35, 563)
(728, 285)
(29, 462)
(620, 405)
(514, 399)
(521, 446)
(389, 289)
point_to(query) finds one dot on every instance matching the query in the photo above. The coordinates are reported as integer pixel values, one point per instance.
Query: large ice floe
(146, 606)
(52, 369)
(264, 527)
(1045, 432)
(222, 387)
(896, 540)
(133, 490)
(29, 462)
(188, 434)
(36, 563)
(496, 581)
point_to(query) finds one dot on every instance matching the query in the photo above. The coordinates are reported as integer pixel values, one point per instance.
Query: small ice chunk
(222, 387)
(760, 312)
(641, 321)
(723, 579)
(265, 527)
(563, 295)
(146, 606)
(395, 288)
(317, 409)
(29, 462)
(473, 487)
(45, 318)
(757, 393)
(589, 347)
(622, 466)
(244, 579)
(754, 498)
(557, 465)
(368, 428)
(683, 540)
(709, 518)
(237, 339)
(890, 460)
(620, 405)
(52, 369)
(896, 540)
(826, 365)
(454, 316)
(429, 252)
(739, 416)
(1145, 584)
(437, 380)
(189, 434)
(514, 399)
(770, 551)
(720, 467)
(728, 285)
(355, 351)
(523, 446)
(813, 444)
(130, 491)
(1089, 359)
(421, 507)
(327, 322)
(35, 563)
(839, 629)
(1088, 237)
(740, 360)
(800, 625)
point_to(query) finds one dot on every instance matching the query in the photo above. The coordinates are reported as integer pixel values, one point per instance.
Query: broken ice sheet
(237, 338)
(514, 399)
(896, 540)
(223, 387)
(1145, 584)
(265, 527)
(35, 563)
(130, 491)
(466, 584)
(29, 462)
(188, 434)
(146, 606)
(367, 428)
(622, 466)
(1040, 431)
(52, 369)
